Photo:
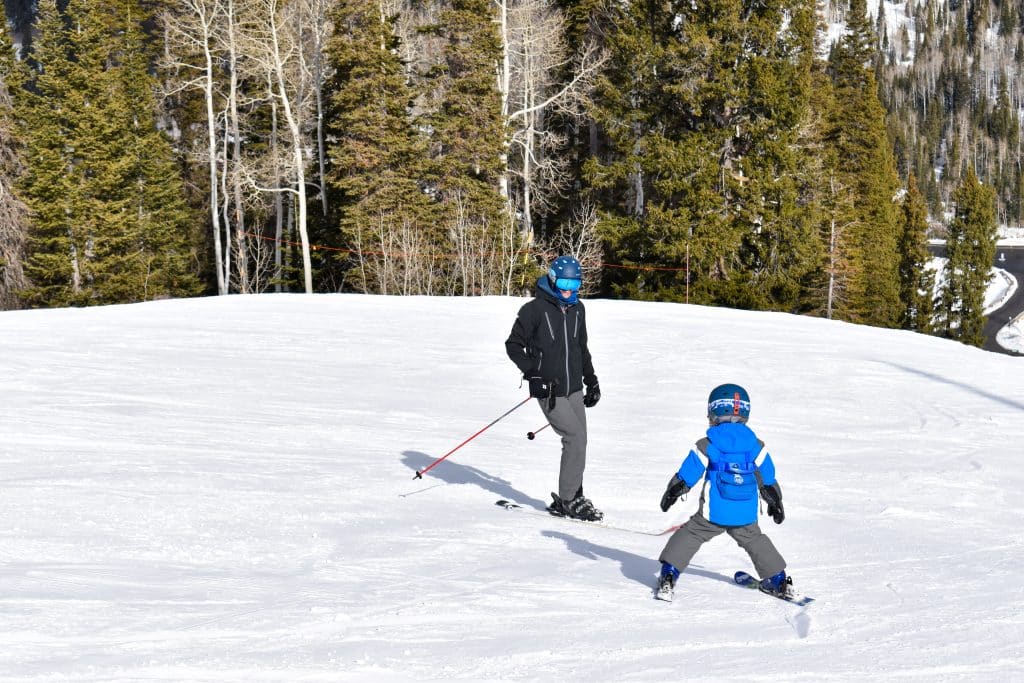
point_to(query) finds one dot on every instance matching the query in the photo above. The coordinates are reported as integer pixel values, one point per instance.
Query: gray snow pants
(697, 531)
(569, 420)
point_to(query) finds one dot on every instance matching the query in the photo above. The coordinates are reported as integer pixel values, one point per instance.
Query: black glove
(592, 396)
(540, 387)
(676, 487)
(772, 495)
(543, 389)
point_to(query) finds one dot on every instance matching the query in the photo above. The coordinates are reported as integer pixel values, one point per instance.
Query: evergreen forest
(782, 155)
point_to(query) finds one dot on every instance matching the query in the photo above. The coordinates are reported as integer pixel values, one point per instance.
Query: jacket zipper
(565, 328)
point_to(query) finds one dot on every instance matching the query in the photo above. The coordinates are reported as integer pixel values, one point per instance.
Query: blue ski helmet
(728, 403)
(566, 273)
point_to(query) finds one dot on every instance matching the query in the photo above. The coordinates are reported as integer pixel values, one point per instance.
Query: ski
(747, 581)
(509, 505)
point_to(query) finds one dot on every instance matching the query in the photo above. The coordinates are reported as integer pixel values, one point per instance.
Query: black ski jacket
(549, 339)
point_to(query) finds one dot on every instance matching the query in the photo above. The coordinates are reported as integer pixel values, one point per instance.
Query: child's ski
(509, 505)
(747, 581)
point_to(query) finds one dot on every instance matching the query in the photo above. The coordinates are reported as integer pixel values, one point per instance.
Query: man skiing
(548, 344)
(735, 467)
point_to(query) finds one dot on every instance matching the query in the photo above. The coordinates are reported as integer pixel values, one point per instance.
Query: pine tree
(59, 242)
(917, 283)
(832, 201)
(867, 167)
(108, 214)
(155, 258)
(467, 144)
(377, 158)
(701, 109)
(970, 250)
(648, 235)
(780, 249)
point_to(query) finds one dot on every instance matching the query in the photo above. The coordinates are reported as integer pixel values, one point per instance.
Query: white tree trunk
(279, 59)
(278, 196)
(320, 33)
(504, 89)
(211, 150)
(192, 29)
(236, 145)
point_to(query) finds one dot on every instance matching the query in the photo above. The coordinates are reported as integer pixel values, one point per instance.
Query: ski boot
(578, 508)
(779, 585)
(666, 589)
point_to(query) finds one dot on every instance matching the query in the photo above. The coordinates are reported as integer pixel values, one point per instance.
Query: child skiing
(735, 467)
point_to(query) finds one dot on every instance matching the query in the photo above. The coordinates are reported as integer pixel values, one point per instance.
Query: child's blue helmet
(728, 403)
(566, 273)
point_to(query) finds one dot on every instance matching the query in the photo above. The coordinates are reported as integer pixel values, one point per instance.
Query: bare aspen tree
(268, 194)
(318, 12)
(259, 255)
(236, 210)
(276, 181)
(209, 38)
(191, 28)
(504, 81)
(578, 237)
(512, 253)
(486, 255)
(391, 271)
(534, 57)
(274, 39)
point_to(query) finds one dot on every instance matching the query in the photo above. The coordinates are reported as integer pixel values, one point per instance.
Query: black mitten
(676, 487)
(592, 396)
(772, 495)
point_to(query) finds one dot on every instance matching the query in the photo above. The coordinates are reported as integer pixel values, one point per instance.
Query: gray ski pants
(569, 420)
(697, 531)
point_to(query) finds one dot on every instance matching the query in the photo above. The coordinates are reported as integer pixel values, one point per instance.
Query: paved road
(1010, 259)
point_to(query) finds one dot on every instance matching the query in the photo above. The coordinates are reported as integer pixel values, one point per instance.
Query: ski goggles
(567, 284)
(729, 406)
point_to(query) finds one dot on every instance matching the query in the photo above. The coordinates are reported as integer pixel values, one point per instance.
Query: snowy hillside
(222, 489)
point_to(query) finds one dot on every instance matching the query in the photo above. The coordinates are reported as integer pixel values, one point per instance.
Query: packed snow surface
(223, 489)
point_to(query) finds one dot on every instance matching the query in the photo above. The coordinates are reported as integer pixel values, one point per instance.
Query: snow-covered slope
(222, 490)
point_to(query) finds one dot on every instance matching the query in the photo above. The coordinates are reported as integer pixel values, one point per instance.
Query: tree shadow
(455, 473)
(998, 398)
(643, 570)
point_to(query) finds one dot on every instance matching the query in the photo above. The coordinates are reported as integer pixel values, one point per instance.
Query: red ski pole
(419, 474)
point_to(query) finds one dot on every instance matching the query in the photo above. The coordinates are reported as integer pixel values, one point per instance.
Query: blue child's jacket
(730, 461)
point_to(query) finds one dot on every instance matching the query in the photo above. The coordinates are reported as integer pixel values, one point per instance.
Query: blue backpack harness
(732, 480)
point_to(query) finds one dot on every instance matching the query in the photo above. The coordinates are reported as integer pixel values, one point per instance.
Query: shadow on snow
(454, 473)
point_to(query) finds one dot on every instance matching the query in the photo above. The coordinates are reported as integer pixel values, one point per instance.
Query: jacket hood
(733, 437)
(544, 289)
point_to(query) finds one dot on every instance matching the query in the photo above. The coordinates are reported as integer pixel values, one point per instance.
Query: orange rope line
(321, 247)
